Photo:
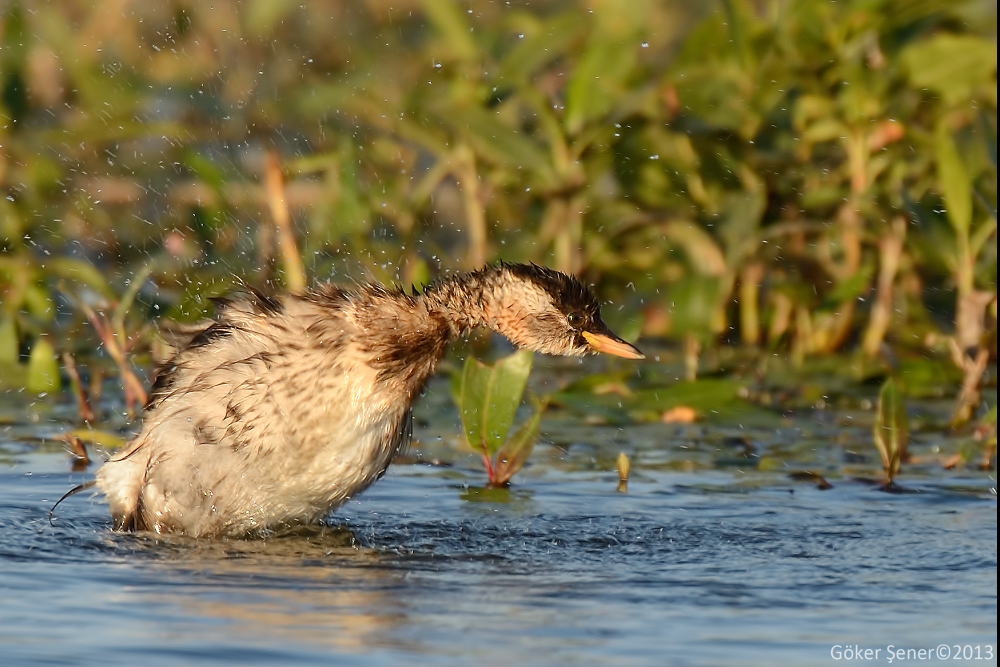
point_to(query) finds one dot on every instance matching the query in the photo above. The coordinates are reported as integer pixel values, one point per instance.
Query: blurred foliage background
(801, 177)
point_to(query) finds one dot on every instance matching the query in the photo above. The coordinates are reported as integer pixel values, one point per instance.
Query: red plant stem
(489, 466)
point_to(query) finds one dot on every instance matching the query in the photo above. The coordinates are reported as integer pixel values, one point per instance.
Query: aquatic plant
(488, 398)
(806, 178)
(891, 430)
(43, 368)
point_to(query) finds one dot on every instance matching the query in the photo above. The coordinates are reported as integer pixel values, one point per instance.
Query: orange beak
(612, 344)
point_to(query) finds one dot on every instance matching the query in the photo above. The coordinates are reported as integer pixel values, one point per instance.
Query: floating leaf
(701, 396)
(43, 368)
(487, 494)
(103, 439)
(609, 408)
(890, 431)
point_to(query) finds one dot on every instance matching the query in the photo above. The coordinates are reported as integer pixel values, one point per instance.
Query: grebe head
(548, 311)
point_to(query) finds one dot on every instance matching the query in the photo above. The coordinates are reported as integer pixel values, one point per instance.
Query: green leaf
(850, 288)
(494, 139)
(43, 368)
(714, 95)
(449, 20)
(952, 65)
(744, 211)
(734, 21)
(890, 431)
(8, 341)
(954, 182)
(704, 254)
(472, 391)
(38, 302)
(982, 234)
(205, 169)
(693, 302)
(135, 284)
(826, 129)
(598, 82)
(489, 398)
(546, 44)
(264, 16)
(516, 450)
(70, 268)
(926, 378)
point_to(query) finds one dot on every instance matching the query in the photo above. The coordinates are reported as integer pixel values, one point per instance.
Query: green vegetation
(488, 397)
(891, 432)
(800, 178)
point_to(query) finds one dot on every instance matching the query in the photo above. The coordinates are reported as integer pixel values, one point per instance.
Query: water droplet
(645, 45)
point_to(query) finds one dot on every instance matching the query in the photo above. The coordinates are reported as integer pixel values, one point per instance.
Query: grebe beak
(612, 344)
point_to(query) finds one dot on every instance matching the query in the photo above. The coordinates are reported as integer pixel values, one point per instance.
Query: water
(696, 564)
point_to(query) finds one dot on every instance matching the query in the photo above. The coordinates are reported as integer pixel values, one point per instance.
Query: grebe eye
(573, 318)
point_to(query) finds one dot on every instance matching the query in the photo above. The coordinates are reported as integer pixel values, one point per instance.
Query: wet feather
(282, 408)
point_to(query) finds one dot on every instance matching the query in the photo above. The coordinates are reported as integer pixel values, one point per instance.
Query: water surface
(697, 564)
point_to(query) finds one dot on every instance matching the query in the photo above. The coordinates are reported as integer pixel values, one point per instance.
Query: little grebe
(281, 409)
